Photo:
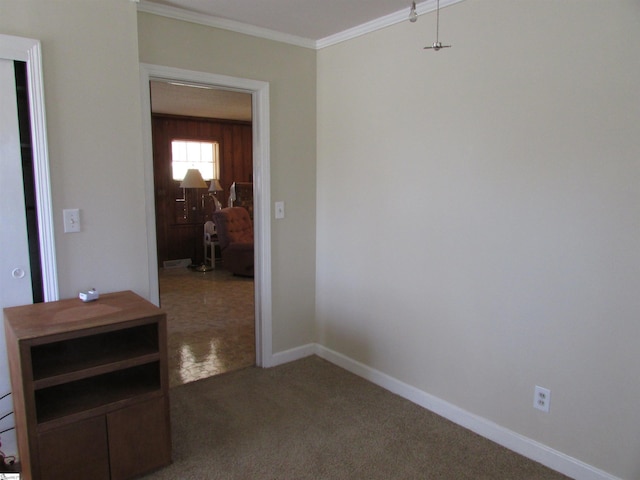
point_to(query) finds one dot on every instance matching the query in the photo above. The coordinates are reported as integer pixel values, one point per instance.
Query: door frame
(262, 188)
(28, 50)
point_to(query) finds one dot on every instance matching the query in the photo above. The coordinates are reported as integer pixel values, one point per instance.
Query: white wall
(291, 73)
(90, 69)
(478, 215)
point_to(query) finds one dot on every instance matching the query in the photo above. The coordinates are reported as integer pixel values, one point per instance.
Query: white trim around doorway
(28, 50)
(262, 186)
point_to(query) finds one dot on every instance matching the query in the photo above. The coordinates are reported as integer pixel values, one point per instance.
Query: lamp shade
(193, 179)
(215, 186)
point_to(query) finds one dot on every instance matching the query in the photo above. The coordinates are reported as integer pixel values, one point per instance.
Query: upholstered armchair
(235, 236)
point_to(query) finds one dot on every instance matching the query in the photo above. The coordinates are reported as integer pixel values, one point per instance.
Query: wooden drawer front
(75, 452)
(139, 439)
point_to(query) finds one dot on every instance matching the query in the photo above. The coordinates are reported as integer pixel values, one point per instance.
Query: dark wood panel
(179, 224)
(185, 241)
(247, 154)
(75, 452)
(226, 151)
(139, 439)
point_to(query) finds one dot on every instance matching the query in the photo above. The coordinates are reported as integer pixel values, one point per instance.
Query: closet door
(15, 268)
(15, 283)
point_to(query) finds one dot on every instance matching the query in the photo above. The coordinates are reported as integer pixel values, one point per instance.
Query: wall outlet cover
(541, 398)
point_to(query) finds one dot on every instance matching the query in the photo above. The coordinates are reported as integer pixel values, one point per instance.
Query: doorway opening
(28, 180)
(210, 312)
(259, 92)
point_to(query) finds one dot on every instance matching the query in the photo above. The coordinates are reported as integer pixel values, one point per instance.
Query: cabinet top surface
(29, 321)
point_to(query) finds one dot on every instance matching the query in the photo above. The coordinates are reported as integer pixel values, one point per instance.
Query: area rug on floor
(309, 419)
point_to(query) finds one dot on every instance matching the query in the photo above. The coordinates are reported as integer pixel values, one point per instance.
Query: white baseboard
(525, 446)
(293, 354)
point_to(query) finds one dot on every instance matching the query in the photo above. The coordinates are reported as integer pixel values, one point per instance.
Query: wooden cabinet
(90, 387)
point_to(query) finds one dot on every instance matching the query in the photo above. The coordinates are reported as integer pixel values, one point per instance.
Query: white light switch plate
(279, 210)
(71, 220)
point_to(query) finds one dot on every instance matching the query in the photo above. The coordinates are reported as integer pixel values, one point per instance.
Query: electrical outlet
(541, 398)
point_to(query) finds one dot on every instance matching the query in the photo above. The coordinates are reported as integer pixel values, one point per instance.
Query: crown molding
(239, 27)
(211, 21)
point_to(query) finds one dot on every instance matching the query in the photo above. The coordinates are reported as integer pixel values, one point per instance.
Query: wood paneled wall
(179, 230)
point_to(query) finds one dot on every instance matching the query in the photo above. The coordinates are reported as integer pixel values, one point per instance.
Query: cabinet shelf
(92, 371)
(83, 357)
(70, 398)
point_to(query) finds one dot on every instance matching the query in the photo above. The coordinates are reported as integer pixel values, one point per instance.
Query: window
(186, 154)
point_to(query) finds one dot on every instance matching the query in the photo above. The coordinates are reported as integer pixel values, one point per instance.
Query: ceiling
(309, 23)
(313, 19)
(193, 101)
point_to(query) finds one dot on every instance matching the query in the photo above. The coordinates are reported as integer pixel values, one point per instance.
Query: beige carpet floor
(312, 420)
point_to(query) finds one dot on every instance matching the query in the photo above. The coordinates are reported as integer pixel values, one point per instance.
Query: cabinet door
(139, 438)
(75, 452)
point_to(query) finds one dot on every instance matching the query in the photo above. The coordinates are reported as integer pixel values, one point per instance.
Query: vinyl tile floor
(210, 322)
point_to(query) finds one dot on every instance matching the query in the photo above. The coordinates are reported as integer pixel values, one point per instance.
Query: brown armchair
(235, 236)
